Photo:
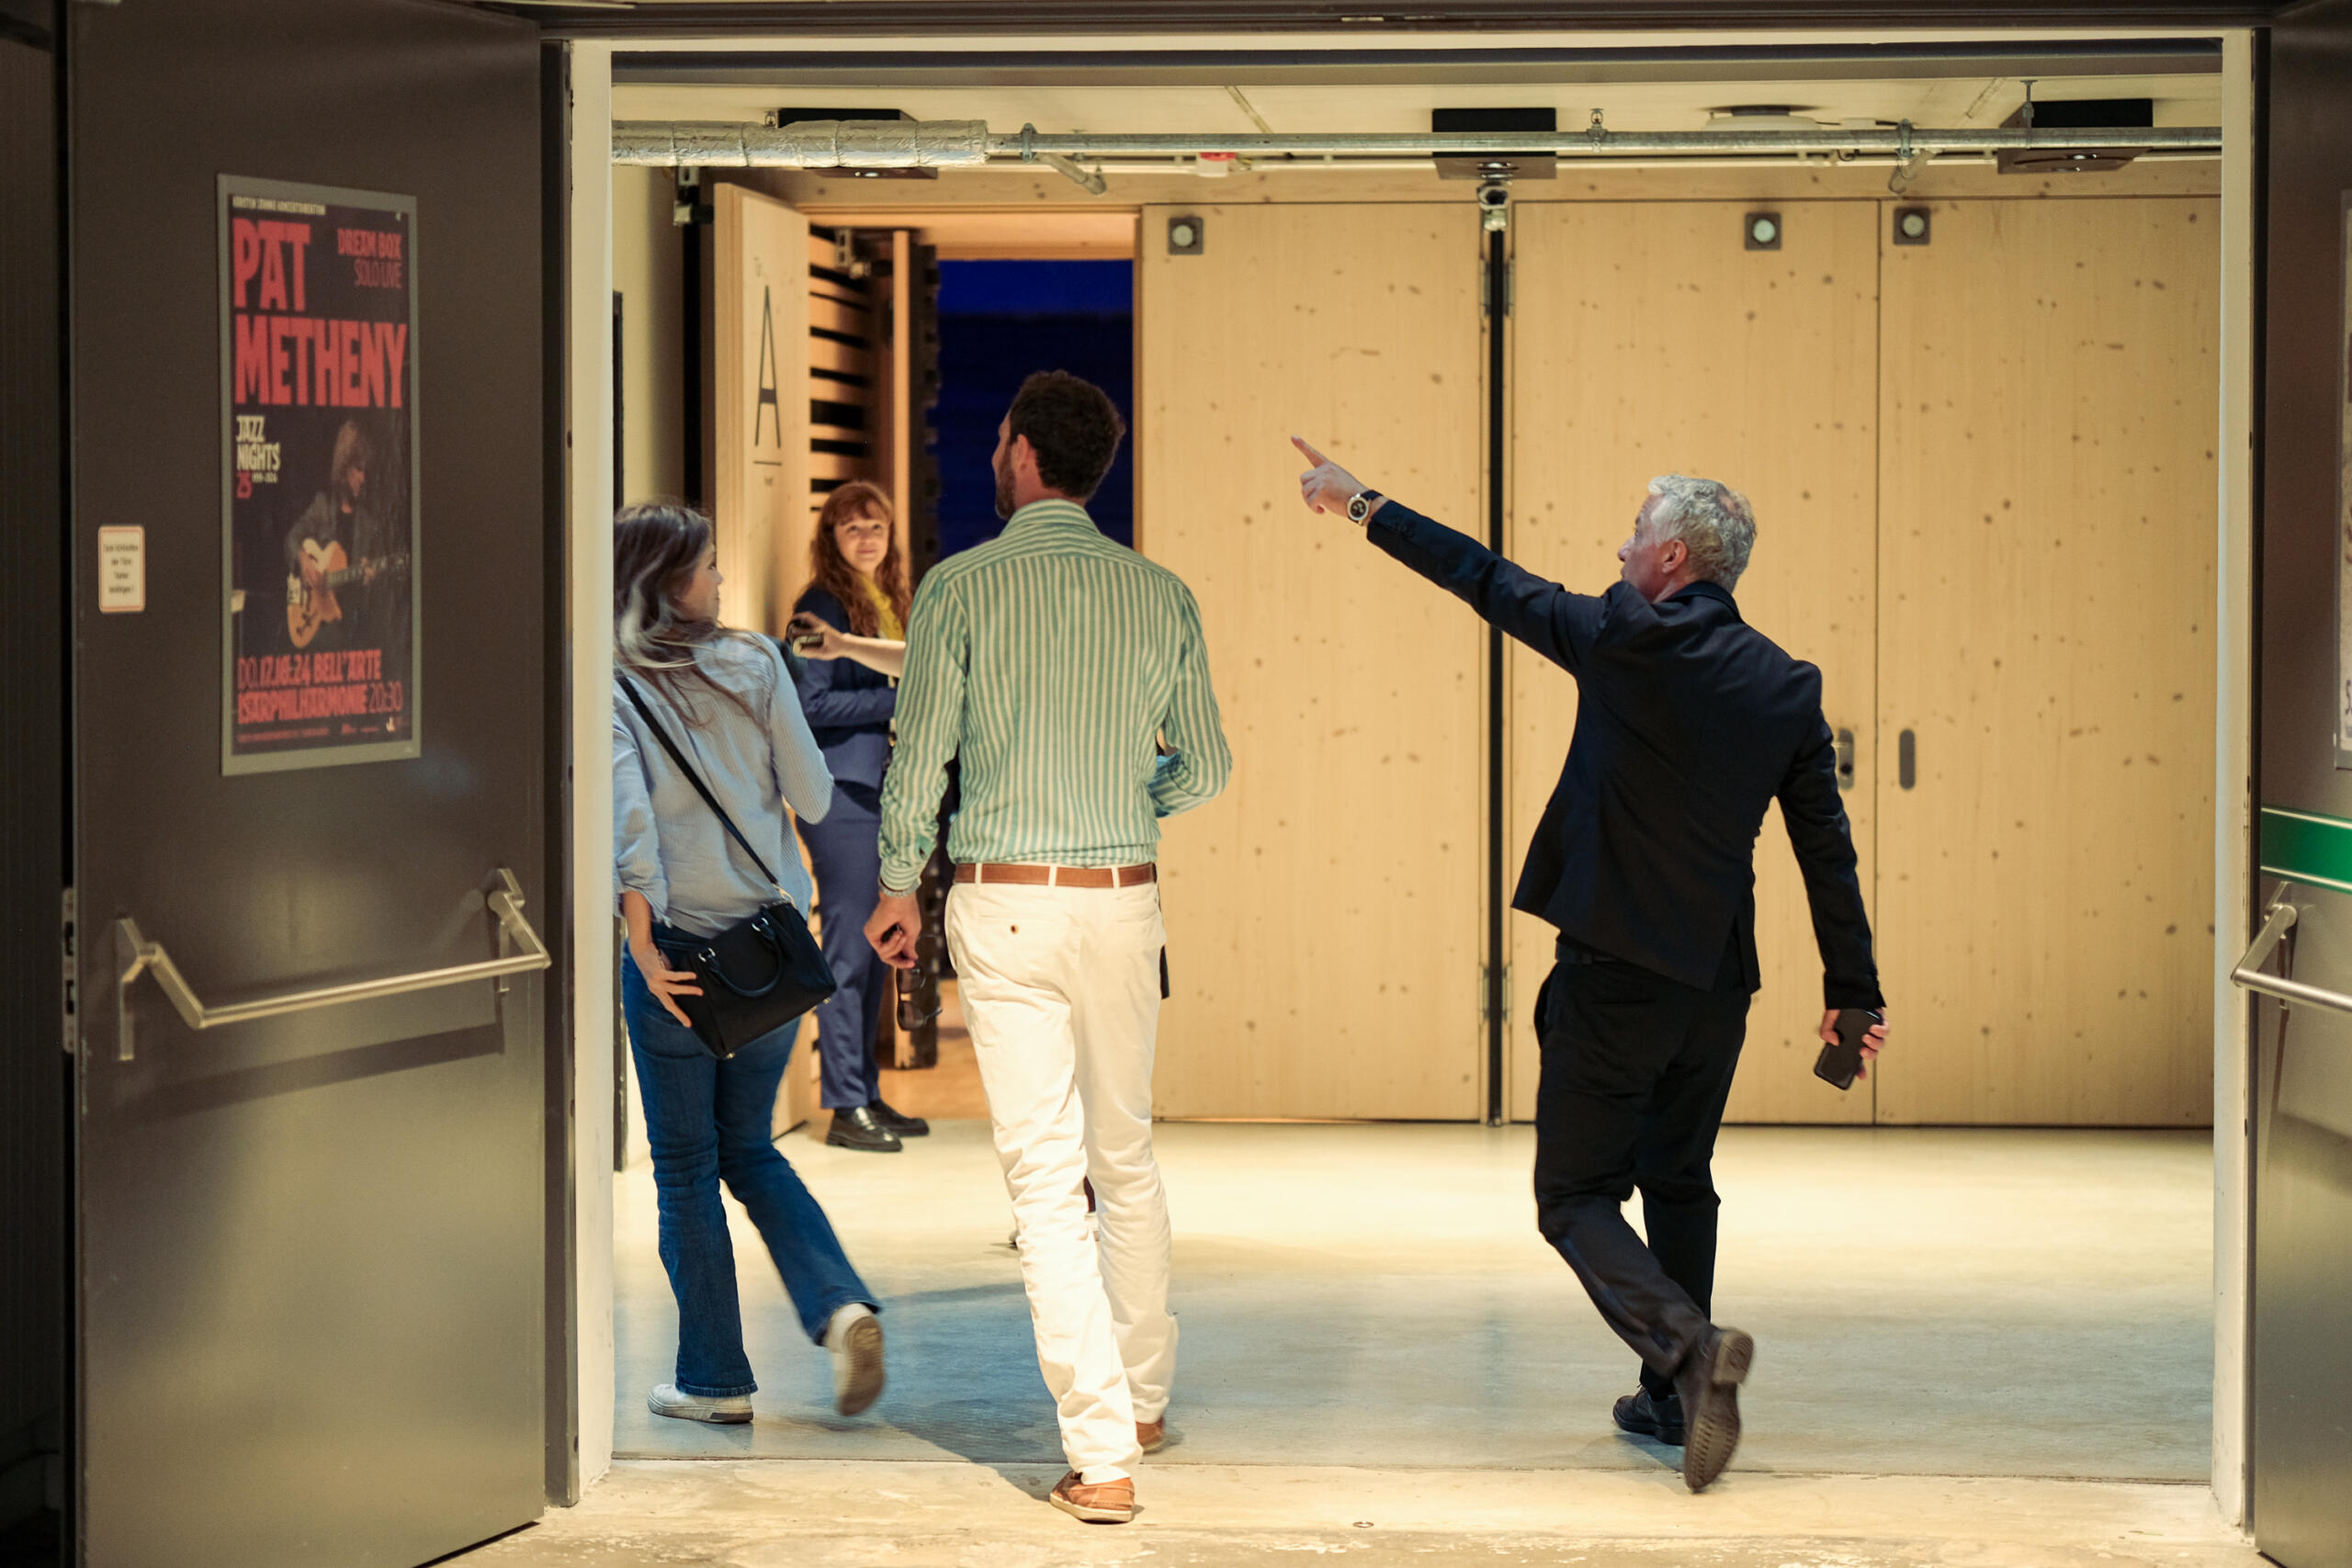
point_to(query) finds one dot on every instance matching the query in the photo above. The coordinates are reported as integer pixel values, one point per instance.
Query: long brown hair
(656, 547)
(830, 571)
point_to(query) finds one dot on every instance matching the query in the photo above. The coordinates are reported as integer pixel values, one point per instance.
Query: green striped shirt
(1053, 662)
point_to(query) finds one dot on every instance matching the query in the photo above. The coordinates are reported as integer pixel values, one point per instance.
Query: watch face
(1358, 509)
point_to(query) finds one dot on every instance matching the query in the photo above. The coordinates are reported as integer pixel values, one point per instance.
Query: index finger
(1312, 454)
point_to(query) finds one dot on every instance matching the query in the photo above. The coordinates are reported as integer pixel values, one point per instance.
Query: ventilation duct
(968, 143)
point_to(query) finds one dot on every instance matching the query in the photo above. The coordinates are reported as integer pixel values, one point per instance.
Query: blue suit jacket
(1690, 724)
(849, 706)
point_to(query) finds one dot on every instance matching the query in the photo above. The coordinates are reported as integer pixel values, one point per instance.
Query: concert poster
(319, 492)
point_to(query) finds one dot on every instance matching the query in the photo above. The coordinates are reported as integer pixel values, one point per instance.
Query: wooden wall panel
(1646, 340)
(2047, 550)
(760, 374)
(1325, 916)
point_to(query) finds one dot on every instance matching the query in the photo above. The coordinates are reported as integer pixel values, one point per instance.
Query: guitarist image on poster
(337, 553)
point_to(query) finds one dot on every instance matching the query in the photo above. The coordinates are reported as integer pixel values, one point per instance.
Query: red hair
(830, 571)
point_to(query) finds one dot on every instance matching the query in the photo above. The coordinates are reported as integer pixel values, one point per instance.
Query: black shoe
(1707, 1385)
(904, 1125)
(1660, 1419)
(857, 1128)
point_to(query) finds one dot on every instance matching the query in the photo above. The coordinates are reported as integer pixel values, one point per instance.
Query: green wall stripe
(2306, 848)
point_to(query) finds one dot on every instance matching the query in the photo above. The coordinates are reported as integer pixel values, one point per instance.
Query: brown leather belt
(1061, 875)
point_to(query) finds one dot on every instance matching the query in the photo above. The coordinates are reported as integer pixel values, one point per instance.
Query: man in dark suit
(1690, 724)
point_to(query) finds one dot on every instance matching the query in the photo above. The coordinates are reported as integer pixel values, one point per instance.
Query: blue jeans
(845, 853)
(708, 1121)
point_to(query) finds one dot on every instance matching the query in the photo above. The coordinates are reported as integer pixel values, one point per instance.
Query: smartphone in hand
(1839, 1064)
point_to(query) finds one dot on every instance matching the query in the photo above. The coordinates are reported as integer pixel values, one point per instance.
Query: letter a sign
(767, 404)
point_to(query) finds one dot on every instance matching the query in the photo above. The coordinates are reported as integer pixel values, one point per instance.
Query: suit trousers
(845, 854)
(1060, 988)
(1636, 1070)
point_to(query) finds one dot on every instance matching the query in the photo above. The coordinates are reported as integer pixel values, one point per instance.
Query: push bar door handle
(2277, 919)
(505, 902)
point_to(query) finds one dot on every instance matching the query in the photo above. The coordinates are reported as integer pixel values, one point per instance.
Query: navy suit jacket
(848, 705)
(1690, 724)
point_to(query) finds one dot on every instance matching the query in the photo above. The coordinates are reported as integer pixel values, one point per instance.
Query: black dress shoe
(856, 1128)
(1660, 1419)
(1707, 1384)
(898, 1122)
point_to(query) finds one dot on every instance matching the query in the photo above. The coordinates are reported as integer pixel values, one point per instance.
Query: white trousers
(1060, 988)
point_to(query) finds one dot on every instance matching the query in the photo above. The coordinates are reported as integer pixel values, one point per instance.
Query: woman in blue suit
(858, 589)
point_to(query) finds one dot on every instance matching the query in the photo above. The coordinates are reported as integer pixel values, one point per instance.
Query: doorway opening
(1393, 1218)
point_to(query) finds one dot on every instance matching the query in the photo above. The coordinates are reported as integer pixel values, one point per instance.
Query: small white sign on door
(122, 571)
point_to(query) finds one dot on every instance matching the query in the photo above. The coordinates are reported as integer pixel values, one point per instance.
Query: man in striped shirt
(1068, 675)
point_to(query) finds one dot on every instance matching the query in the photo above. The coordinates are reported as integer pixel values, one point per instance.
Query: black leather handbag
(759, 973)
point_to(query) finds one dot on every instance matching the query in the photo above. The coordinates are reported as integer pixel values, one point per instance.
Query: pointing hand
(1327, 487)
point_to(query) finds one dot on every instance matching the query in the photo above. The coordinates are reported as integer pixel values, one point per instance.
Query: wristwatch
(1361, 507)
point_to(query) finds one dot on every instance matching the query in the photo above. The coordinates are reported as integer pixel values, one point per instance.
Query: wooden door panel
(1325, 915)
(2047, 484)
(1647, 340)
(763, 338)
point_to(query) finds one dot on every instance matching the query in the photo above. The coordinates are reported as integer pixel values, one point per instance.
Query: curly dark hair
(1072, 426)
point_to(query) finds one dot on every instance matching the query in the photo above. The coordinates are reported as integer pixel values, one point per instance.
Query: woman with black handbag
(710, 746)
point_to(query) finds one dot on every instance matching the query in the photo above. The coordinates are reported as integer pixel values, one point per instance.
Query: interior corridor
(1924, 1303)
(2007, 1333)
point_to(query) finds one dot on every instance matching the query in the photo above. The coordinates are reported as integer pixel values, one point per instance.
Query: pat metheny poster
(319, 502)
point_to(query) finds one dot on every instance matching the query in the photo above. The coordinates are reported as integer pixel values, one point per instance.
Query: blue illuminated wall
(998, 321)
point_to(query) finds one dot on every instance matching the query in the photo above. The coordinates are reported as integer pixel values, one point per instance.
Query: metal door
(312, 1243)
(2301, 1380)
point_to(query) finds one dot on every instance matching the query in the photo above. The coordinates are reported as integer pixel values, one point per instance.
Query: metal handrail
(2277, 919)
(505, 902)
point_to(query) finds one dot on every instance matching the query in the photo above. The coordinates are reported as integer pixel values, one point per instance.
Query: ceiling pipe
(1176, 168)
(968, 143)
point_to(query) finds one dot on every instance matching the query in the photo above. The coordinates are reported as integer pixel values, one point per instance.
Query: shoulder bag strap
(695, 779)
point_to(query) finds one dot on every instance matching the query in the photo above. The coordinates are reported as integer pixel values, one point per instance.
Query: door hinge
(1493, 992)
(69, 950)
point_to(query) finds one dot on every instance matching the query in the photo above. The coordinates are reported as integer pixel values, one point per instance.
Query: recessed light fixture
(1761, 232)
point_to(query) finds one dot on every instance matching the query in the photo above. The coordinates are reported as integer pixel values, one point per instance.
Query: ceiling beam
(1447, 67)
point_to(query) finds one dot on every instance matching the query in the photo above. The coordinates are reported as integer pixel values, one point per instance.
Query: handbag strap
(695, 779)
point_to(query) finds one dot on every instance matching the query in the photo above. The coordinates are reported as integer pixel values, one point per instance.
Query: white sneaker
(854, 1338)
(733, 1410)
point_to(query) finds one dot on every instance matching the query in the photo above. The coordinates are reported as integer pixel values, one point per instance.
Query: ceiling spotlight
(1763, 232)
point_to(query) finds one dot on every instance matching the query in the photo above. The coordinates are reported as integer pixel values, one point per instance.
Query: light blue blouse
(669, 845)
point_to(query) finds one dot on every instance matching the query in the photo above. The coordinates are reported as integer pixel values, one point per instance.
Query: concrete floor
(835, 1513)
(1982, 1347)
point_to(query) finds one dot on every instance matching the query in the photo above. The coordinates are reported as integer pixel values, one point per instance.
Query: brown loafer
(1113, 1502)
(1152, 1436)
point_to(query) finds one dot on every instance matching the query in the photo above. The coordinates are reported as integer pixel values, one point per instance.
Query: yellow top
(891, 629)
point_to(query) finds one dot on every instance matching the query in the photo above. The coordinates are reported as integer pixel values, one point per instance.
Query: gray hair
(1713, 520)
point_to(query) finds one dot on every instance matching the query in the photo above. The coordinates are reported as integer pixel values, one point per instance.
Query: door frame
(590, 466)
(585, 197)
